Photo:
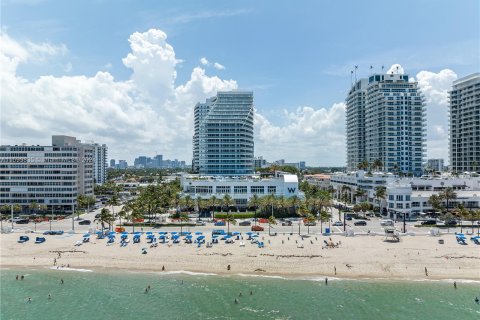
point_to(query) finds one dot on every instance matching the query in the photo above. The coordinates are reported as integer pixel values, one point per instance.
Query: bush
(243, 215)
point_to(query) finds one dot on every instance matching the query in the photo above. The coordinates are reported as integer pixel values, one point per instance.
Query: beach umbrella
(125, 232)
(149, 232)
(162, 232)
(112, 232)
(137, 232)
(214, 237)
(198, 232)
(98, 232)
(189, 236)
(235, 233)
(250, 233)
(254, 235)
(86, 235)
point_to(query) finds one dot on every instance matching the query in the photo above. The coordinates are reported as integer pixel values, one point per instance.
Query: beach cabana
(23, 239)
(40, 240)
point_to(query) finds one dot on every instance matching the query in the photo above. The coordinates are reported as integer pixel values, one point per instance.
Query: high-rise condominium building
(52, 175)
(386, 121)
(223, 134)
(112, 163)
(100, 163)
(465, 124)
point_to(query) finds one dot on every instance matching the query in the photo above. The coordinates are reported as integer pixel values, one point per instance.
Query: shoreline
(295, 277)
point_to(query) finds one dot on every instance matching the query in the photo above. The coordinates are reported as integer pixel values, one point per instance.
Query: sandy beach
(355, 257)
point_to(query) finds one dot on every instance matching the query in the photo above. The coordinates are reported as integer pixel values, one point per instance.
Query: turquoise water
(121, 295)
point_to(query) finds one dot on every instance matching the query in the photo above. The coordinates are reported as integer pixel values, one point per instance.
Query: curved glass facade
(223, 134)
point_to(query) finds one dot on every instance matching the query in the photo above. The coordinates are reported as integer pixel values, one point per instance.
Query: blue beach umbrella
(198, 232)
(235, 233)
(86, 235)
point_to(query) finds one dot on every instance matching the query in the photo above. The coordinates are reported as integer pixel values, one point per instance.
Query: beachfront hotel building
(240, 188)
(385, 120)
(100, 152)
(223, 135)
(465, 124)
(404, 195)
(52, 175)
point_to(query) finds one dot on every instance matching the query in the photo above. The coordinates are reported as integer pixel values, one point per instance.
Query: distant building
(259, 162)
(158, 161)
(241, 189)
(223, 134)
(122, 164)
(385, 120)
(100, 163)
(112, 163)
(320, 180)
(435, 165)
(465, 125)
(51, 175)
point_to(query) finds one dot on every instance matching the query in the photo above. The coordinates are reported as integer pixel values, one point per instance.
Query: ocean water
(121, 295)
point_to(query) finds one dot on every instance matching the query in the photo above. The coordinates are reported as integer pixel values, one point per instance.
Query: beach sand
(355, 257)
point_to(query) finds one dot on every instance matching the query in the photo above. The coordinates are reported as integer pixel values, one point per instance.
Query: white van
(385, 223)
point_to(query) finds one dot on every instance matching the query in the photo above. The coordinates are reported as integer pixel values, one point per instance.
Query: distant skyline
(128, 73)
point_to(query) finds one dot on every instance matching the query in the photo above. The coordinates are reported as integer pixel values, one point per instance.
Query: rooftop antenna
(351, 78)
(383, 67)
(356, 67)
(371, 69)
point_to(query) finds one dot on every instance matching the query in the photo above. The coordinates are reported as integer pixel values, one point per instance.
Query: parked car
(200, 223)
(245, 223)
(218, 232)
(338, 223)
(310, 224)
(257, 228)
(53, 232)
(85, 222)
(263, 220)
(287, 223)
(429, 222)
(387, 222)
(360, 223)
(22, 221)
(348, 218)
(220, 223)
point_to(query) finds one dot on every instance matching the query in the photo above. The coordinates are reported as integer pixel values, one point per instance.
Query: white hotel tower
(223, 135)
(386, 120)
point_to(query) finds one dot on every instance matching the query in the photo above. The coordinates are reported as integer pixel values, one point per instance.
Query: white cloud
(147, 112)
(204, 61)
(218, 66)
(435, 87)
(396, 69)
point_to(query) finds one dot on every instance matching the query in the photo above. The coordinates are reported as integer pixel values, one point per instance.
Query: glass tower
(386, 121)
(223, 134)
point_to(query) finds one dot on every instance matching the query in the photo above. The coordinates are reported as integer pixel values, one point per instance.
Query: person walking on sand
(335, 270)
(426, 271)
(228, 267)
(163, 268)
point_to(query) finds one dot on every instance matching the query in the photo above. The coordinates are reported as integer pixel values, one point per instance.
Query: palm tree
(448, 194)
(212, 202)
(271, 220)
(113, 201)
(282, 204)
(4, 208)
(360, 193)
(303, 211)
(294, 202)
(183, 218)
(33, 206)
(230, 219)
(377, 164)
(380, 194)
(227, 201)
(364, 165)
(310, 218)
(105, 217)
(122, 214)
(255, 203)
(436, 202)
(136, 214)
(462, 213)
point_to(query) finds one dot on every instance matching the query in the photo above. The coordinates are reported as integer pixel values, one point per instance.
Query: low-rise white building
(241, 189)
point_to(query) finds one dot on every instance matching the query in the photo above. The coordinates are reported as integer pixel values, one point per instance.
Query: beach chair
(23, 239)
(86, 239)
(242, 244)
(461, 239)
(475, 239)
(300, 246)
(40, 240)
(260, 244)
(136, 238)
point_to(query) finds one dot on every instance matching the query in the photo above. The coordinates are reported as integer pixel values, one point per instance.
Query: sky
(128, 73)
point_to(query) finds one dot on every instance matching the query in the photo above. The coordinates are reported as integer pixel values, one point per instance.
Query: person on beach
(426, 271)
(335, 270)
(476, 300)
(228, 267)
(326, 281)
(163, 268)
(29, 300)
(54, 261)
(455, 284)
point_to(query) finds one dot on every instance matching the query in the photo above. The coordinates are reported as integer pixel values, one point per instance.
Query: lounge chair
(23, 239)
(78, 243)
(461, 239)
(40, 240)
(300, 245)
(242, 244)
(261, 245)
(136, 239)
(475, 239)
(86, 239)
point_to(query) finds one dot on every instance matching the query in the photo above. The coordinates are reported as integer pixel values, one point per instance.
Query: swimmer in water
(49, 296)
(251, 293)
(29, 300)
(61, 281)
(476, 300)
(236, 301)
(240, 294)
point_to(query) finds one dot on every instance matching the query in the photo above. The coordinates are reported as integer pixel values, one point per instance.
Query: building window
(272, 189)
(415, 204)
(241, 202)
(391, 197)
(407, 198)
(390, 205)
(257, 190)
(240, 189)
(223, 189)
(399, 205)
(399, 197)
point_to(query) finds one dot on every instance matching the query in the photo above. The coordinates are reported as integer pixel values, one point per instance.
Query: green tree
(183, 218)
(254, 202)
(447, 194)
(310, 219)
(230, 219)
(380, 195)
(213, 202)
(33, 206)
(436, 202)
(271, 221)
(105, 217)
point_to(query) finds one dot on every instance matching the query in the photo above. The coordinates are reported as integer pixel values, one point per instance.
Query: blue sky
(293, 54)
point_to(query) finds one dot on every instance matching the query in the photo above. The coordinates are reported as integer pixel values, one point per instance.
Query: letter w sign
(291, 190)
